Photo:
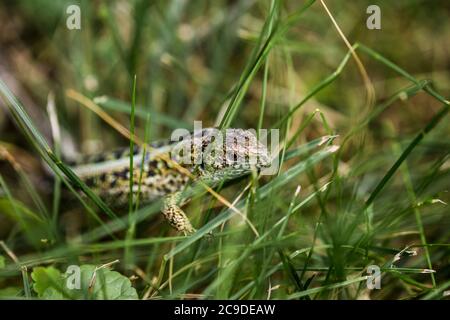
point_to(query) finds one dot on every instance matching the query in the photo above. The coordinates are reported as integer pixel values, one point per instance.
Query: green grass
(357, 185)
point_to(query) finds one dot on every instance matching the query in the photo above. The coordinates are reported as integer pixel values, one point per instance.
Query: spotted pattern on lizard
(210, 156)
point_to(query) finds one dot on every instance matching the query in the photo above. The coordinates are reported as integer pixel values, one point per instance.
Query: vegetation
(364, 174)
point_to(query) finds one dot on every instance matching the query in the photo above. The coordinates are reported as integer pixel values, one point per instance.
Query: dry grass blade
(367, 82)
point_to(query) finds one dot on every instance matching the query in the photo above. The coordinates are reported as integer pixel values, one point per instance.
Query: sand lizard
(209, 155)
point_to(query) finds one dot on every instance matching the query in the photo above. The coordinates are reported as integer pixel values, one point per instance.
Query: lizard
(168, 170)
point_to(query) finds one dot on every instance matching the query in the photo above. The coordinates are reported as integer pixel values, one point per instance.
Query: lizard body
(208, 156)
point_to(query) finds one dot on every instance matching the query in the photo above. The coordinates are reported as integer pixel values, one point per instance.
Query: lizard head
(233, 152)
(225, 153)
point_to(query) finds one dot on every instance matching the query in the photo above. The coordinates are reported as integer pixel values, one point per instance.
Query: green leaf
(94, 284)
(45, 278)
(105, 285)
(2, 262)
